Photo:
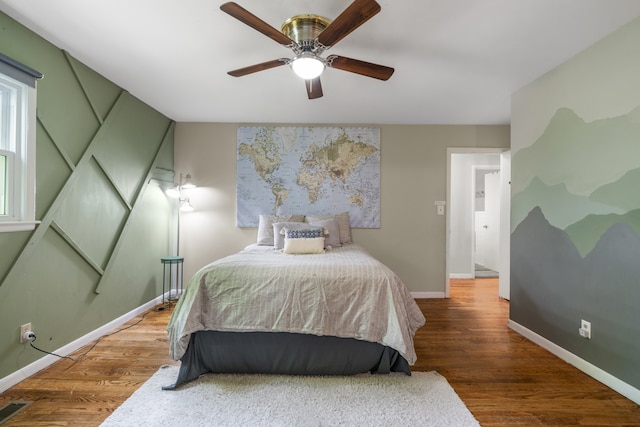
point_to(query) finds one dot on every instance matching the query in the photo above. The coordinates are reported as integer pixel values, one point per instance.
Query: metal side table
(173, 266)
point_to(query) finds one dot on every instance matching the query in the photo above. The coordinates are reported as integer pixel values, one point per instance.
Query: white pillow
(313, 245)
(265, 226)
(278, 227)
(343, 222)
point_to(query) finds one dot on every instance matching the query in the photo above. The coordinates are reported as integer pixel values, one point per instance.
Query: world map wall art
(285, 170)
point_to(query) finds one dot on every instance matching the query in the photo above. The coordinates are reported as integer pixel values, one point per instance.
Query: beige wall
(411, 240)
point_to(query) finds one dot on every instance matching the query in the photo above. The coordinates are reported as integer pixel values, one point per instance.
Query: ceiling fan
(308, 36)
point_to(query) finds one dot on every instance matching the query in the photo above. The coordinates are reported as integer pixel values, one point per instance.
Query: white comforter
(343, 292)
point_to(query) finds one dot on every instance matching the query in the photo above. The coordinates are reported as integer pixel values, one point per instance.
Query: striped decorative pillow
(305, 233)
(304, 241)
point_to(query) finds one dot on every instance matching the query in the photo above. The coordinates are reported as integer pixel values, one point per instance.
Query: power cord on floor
(32, 338)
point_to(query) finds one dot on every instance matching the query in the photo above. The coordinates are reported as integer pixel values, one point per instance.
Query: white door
(487, 224)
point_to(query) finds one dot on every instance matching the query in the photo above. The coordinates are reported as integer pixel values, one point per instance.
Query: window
(6, 187)
(17, 145)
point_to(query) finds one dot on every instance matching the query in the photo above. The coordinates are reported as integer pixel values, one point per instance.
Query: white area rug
(423, 399)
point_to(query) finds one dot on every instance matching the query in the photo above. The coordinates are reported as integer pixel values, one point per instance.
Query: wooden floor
(504, 379)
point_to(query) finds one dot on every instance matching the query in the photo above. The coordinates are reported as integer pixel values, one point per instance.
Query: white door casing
(453, 219)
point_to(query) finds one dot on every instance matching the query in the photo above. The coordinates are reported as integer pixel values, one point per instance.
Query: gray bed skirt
(284, 353)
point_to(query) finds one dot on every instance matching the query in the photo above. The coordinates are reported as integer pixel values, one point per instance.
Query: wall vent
(11, 409)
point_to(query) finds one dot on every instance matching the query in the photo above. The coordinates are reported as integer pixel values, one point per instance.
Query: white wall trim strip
(604, 377)
(419, 295)
(461, 276)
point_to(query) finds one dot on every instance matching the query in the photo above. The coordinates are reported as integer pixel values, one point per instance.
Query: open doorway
(477, 228)
(485, 250)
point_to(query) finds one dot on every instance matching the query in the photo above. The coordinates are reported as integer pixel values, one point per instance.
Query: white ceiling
(456, 61)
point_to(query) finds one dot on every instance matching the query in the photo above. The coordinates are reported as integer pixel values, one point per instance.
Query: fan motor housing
(304, 28)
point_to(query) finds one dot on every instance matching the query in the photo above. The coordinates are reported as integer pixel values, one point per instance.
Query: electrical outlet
(24, 330)
(585, 329)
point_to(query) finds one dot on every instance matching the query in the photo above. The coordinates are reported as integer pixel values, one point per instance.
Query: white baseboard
(461, 276)
(48, 360)
(418, 295)
(604, 377)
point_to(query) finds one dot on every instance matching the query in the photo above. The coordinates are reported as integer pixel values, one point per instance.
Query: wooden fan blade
(258, 67)
(243, 15)
(363, 68)
(359, 12)
(314, 88)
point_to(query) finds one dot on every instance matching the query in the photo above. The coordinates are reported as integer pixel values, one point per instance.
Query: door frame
(504, 222)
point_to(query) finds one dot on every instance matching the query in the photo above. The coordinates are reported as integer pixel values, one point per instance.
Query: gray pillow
(278, 238)
(343, 222)
(265, 226)
(331, 225)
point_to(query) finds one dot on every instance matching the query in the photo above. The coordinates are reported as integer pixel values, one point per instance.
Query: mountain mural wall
(575, 200)
(575, 243)
(583, 156)
(561, 208)
(575, 174)
(551, 273)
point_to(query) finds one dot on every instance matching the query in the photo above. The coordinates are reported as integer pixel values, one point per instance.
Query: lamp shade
(187, 182)
(307, 66)
(173, 192)
(185, 206)
(176, 191)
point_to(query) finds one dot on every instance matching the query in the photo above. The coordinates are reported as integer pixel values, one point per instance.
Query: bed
(336, 311)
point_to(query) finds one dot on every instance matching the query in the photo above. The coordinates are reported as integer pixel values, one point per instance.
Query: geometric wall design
(105, 223)
(107, 163)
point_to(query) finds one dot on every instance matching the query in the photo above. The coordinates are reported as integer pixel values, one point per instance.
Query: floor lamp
(177, 191)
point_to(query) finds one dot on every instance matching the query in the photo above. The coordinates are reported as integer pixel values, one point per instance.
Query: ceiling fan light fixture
(307, 66)
(309, 36)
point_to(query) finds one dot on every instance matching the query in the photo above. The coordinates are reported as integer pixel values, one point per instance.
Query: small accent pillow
(343, 222)
(278, 227)
(302, 233)
(332, 237)
(265, 226)
(303, 242)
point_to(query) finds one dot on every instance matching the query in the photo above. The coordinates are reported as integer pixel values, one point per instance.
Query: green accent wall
(105, 222)
(575, 245)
